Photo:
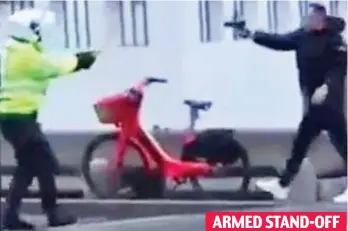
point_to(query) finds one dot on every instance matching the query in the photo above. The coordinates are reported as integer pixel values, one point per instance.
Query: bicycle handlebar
(149, 80)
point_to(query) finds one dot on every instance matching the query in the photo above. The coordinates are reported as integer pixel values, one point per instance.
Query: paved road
(123, 209)
(195, 221)
(227, 188)
(265, 148)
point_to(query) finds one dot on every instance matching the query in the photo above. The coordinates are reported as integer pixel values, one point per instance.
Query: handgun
(239, 24)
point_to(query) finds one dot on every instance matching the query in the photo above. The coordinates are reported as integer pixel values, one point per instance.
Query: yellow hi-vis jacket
(26, 71)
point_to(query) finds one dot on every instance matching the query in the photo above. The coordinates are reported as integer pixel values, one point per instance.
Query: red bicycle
(149, 180)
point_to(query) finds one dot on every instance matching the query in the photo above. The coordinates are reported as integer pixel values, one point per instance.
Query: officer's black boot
(56, 216)
(59, 217)
(12, 222)
(17, 190)
(45, 175)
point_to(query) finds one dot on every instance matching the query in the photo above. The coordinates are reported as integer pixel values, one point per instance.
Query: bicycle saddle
(199, 105)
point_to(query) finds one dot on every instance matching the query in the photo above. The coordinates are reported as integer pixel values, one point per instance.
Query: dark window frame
(133, 21)
(334, 5)
(304, 8)
(238, 13)
(20, 5)
(273, 16)
(87, 24)
(65, 22)
(76, 22)
(204, 21)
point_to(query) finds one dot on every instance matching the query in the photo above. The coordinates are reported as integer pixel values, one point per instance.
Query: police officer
(321, 57)
(25, 74)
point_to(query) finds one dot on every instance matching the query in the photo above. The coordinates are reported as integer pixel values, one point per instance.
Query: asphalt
(266, 148)
(227, 188)
(193, 223)
(126, 209)
(193, 220)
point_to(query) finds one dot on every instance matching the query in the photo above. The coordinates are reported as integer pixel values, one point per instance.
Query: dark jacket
(321, 57)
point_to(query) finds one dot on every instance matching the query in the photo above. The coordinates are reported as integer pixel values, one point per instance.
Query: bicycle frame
(123, 111)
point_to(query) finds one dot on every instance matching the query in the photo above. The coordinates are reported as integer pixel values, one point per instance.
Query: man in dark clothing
(322, 62)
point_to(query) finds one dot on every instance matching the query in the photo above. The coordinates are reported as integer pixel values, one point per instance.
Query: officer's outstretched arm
(62, 65)
(281, 42)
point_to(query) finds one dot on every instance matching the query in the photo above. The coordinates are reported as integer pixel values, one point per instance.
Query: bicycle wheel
(133, 182)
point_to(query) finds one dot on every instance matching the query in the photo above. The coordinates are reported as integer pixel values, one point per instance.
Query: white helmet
(26, 24)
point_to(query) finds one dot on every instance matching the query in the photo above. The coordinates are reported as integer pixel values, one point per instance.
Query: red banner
(276, 221)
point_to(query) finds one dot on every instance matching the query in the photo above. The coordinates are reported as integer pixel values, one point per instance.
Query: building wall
(184, 41)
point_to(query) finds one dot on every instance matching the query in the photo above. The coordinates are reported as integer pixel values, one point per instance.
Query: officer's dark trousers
(316, 119)
(34, 159)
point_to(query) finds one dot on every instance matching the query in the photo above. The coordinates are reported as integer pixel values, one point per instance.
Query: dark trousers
(316, 119)
(34, 159)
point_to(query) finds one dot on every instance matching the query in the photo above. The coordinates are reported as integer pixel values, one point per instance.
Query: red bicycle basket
(107, 109)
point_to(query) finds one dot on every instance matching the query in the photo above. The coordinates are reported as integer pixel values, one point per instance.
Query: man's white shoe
(342, 198)
(273, 187)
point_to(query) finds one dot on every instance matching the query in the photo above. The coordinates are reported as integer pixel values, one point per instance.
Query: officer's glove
(320, 94)
(86, 59)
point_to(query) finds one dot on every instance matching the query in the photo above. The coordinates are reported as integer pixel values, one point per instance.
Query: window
(61, 36)
(133, 23)
(210, 20)
(139, 13)
(72, 29)
(272, 16)
(338, 8)
(64, 16)
(333, 8)
(238, 14)
(303, 7)
(279, 15)
(250, 13)
(239, 8)
(87, 23)
(20, 5)
(342, 9)
(204, 21)
(76, 24)
(5, 12)
(342, 12)
(81, 24)
(74, 21)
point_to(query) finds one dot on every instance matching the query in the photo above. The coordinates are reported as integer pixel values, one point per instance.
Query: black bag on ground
(215, 146)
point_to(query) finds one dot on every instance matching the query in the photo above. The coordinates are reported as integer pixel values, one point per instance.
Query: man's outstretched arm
(281, 42)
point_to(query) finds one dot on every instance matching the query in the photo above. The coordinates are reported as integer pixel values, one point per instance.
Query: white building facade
(184, 41)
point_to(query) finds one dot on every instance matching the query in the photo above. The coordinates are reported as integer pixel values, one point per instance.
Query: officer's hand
(320, 94)
(86, 59)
